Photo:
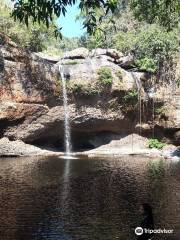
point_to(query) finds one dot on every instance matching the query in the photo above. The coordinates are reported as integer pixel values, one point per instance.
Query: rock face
(79, 53)
(103, 97)
(19, 148)
(26, 77)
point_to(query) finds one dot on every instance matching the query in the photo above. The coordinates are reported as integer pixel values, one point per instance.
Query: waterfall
(151, 95)
(67, 135)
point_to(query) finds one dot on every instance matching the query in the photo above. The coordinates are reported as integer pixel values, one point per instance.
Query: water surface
(85, 199)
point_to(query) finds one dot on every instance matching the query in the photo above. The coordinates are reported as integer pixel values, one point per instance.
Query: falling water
(67, 136)
(139, 87)
(151, 95)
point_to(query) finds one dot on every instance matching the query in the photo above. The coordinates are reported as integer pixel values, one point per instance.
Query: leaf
(64, 11)
(26, 20)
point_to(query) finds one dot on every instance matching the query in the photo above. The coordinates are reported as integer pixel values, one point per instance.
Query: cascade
(67, 135)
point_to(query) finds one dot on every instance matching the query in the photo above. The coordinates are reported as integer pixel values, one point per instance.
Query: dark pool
(86, 199)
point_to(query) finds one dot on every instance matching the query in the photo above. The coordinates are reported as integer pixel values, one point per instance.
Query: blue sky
(71, 27)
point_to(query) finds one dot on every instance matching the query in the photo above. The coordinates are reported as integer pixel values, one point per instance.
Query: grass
(71, 63)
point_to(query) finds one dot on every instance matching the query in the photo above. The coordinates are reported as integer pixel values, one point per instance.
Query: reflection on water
(85, 199)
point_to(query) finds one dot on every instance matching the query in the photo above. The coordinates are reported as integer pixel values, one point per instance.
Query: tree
(45, 11)
(34, 38)
(164, 12)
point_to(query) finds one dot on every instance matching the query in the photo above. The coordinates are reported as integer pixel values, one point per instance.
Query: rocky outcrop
(46, 125)
(78, 53)
(103, 97)
(19, 148)
(26, 77)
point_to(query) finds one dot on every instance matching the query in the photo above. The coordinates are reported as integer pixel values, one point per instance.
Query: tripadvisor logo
(138, 231)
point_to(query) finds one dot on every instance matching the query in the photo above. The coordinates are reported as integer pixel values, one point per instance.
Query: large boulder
(86, 72)
(78, 53)
(126, 61)
(112, 53)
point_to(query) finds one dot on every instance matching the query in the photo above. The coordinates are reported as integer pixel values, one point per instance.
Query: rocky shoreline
(115, 148)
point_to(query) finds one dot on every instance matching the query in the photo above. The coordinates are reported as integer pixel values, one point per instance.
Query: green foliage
(44, 11)
(154, 43)
(125, 41)
(34, 38)
(161, 110)
(129, 101)
(71, 63)
(155, 143)
(147, 64)
(105, 76)
(164, 12)
(78, 87)
(57, 46)
(131, 96)
(151, 45)
(104, 35)
(81, 89)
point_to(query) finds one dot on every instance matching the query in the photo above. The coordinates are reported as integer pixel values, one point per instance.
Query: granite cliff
(108, 98)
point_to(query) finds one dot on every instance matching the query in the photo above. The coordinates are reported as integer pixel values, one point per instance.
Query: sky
(71, 27)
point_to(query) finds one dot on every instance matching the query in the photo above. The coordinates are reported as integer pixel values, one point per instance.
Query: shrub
(105, 76)
(77, 87)
(154, 46)
(129, 101)
(84, 90)
(131, 96)
(161, 110)
(155, 143)
(125, 41)
(151, 44)
(147, 64)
